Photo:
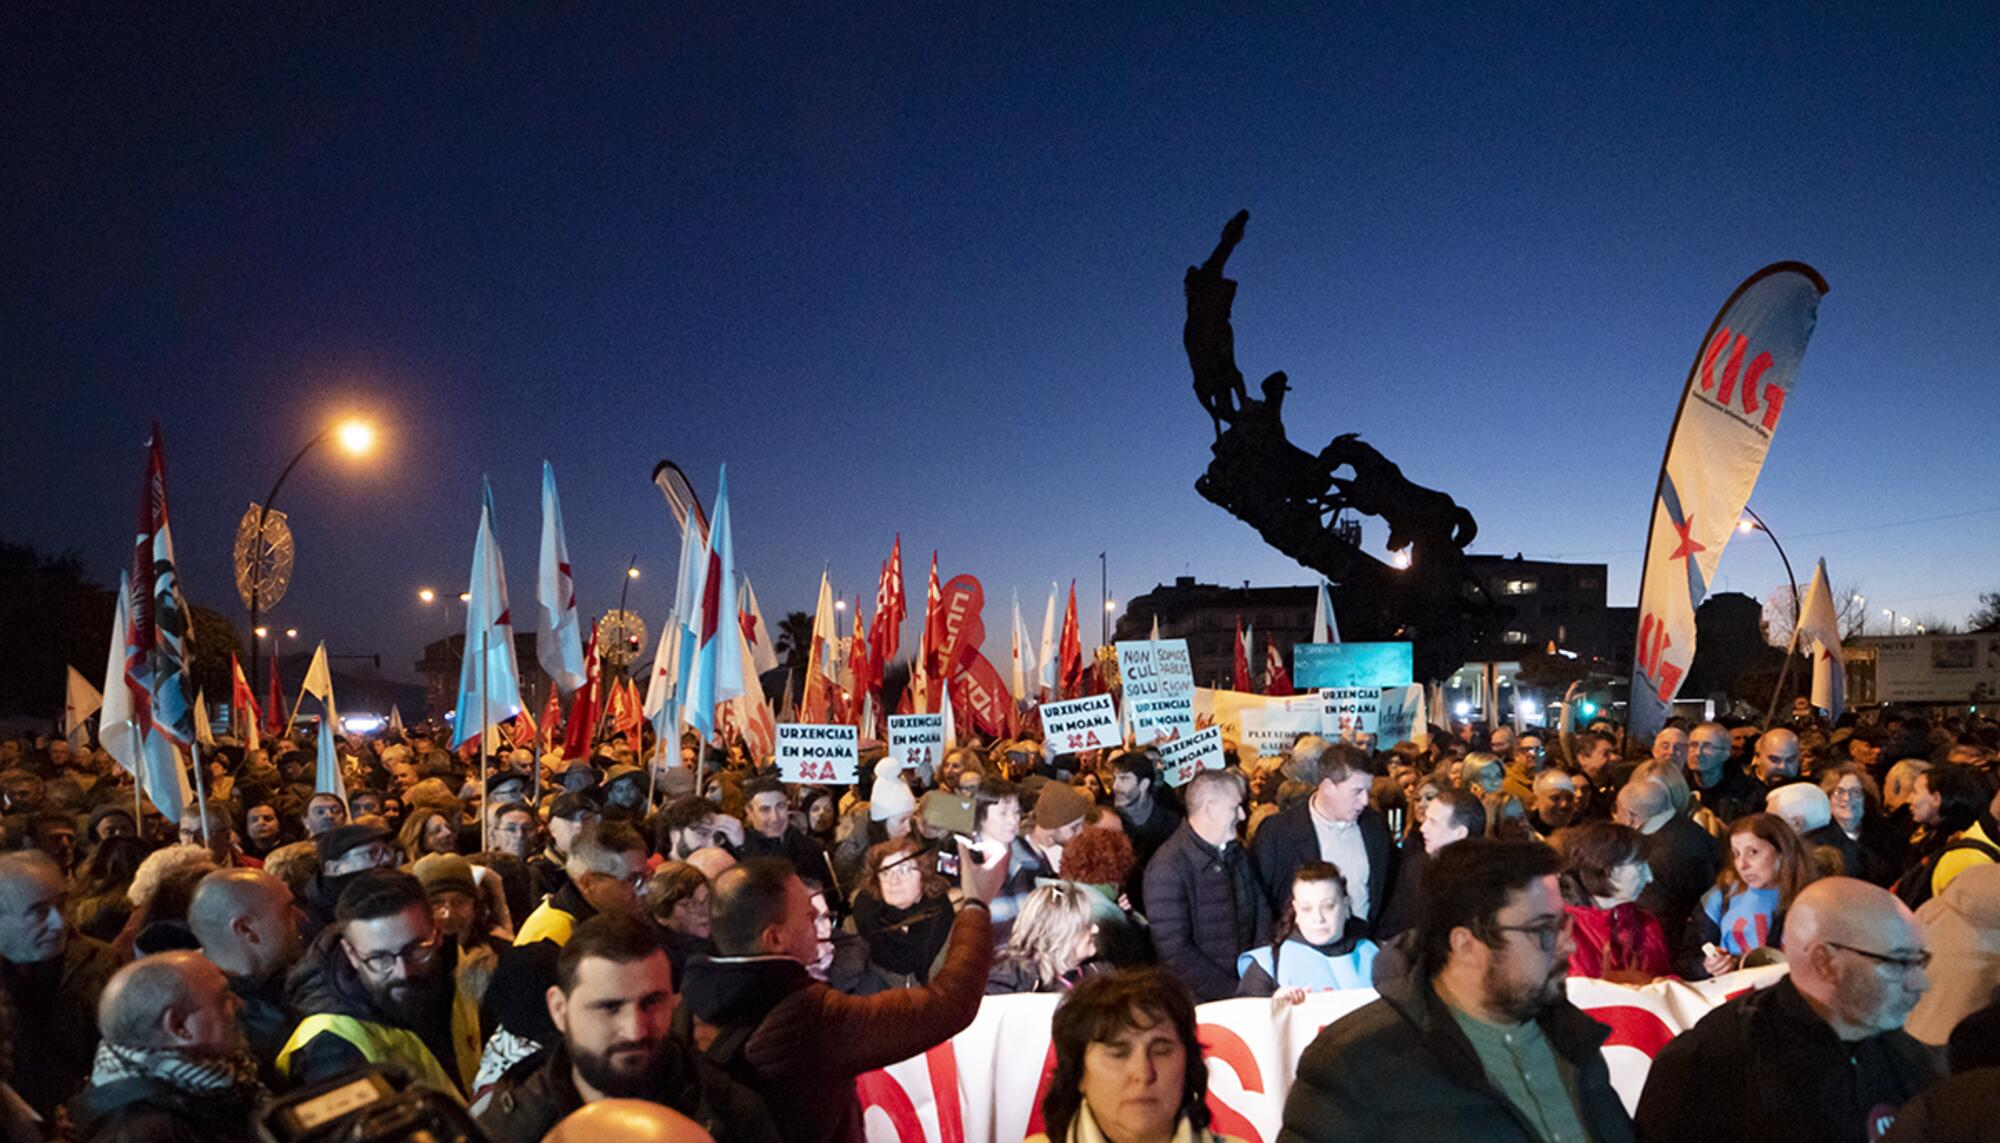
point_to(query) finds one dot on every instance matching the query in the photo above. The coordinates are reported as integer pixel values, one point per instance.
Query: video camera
(368, 1105)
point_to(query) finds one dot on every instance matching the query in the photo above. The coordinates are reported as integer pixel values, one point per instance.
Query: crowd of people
(591, 947)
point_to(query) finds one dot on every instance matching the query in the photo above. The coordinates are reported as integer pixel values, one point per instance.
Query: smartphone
(947, 862)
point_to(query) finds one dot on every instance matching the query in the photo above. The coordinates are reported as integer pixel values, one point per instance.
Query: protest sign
(818, 754)
(916, 739)
(1273, 729)
(1316, 666)
(1346, 711)
(1088, 723)
(981, 1086)
(1182, 758)
(1158, 677)
(1401, 717)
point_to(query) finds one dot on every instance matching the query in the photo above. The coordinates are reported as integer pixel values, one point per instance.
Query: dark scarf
(904, 941)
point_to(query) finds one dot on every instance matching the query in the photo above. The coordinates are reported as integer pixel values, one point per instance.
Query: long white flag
(558, 630)
(80, 701)
(1729, 409)
(1819, 631)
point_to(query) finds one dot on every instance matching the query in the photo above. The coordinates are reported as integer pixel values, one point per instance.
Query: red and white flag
(558, 630)
(822, 658)
(1240, 674)
(81, 700)
(1277, 680)
(933, 637)
(242, 706)
(756, 635)
(1071, 650)
(885, 631)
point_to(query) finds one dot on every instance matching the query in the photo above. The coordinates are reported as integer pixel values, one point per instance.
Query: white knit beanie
(889, 796)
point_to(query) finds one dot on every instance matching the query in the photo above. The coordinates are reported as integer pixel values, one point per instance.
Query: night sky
(919, 269)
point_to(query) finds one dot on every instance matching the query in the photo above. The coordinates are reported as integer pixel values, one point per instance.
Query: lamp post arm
(257, 560)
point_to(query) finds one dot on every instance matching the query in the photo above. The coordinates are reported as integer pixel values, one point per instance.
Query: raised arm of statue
(1208, 338)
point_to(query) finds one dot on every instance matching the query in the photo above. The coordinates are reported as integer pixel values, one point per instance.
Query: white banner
(1729, 409)
(1272, 729)
(1182, 758)
(994, 1070)
(819, 754)
(1075, 725)
(917, 739)
(1347, 711)
(1158, 679)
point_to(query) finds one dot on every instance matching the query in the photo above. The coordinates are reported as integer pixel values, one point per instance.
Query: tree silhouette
(793, 640)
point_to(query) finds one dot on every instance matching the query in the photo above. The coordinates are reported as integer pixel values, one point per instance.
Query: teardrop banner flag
(1735, 393)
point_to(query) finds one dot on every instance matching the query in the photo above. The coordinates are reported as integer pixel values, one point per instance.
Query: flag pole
(200, 791)
(1771, 713)
(485, 645)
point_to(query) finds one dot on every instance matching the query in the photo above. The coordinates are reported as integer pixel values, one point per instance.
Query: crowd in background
(575, 931)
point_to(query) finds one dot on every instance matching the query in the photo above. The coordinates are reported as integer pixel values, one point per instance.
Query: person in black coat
(1202, 896)
(173, 1067)
(1473, 1038)
(1684, 858)
(1334, 825)
(1821, 1055)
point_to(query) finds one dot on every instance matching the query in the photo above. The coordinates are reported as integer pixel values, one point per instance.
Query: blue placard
(1316, 665)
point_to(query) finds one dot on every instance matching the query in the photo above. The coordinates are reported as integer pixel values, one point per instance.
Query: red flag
(583, 709)
(551, 723)
(981, 693)
(933, 636)
(631, 717)
(1277, 680)
(861, 662)
(1242, 680)
(242, 705)
(522, 731)
(274, 707)
(963, 631)
(885, 632)
(1070, 652)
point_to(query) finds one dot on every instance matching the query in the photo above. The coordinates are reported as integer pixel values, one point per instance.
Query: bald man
(1683, 857)
(627, 1121)
(1819, 1057)
(174, 1066)
(248, 925)
(52, 976)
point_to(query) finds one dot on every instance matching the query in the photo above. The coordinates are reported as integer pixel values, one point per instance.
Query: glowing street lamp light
(291, 632)
(260, 632)
(465, 597)
(427, 595)
(356, 436)
(632, 573)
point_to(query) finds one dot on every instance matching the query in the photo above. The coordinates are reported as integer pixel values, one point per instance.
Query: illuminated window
(1518, 586)
(1514, 637)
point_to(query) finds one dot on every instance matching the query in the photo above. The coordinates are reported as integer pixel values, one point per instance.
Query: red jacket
(1621, 939)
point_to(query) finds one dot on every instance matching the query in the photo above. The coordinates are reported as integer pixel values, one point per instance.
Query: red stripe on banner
(942, 1063)
(1633, 1028)
(876, 1089)
(1220, 1044)
(1036, 1126)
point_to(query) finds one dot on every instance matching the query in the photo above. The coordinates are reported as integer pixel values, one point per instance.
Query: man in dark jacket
(613, 1002)
(248, 926)
(1683, 857)
(755, 1011)
(174, 1067)
(378, 986)
(53, 977)
(345, 852)
(768, 812)
(1820, 1056)
(1202, 897)
(569, 815)
(1473, 1037)
(1334, 825)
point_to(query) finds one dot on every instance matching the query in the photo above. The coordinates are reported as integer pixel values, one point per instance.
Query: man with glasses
(379, 988)
(1474, 1036)
(607, 870)
(1820, 1055)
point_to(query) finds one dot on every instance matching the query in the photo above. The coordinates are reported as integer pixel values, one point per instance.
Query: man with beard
(379, 987)
(613, 1002)
(1135, 792)
(568, 815)
(248, 926)
(1473, 1037)
(345, 852)
(1821, 1055)
(53, 977)
(174, 1065)
(1774, 762)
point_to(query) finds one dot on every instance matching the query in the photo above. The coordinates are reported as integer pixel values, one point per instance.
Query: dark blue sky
(918, 269)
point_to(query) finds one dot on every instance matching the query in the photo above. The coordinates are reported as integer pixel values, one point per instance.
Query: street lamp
(356, 437)
(427, 595)
(291, 632)
(1756, 524)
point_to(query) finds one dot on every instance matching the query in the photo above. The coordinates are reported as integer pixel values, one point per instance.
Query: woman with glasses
(1745, 911)
(1866, 843)
(1604, 871)
(678, 897)
(1053, 938)
(903, 915)
(1318, 944)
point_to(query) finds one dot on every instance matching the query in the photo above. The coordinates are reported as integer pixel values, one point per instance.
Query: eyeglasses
(1547, 934)
(1846, 794)
(1917, 963)
(416, 954)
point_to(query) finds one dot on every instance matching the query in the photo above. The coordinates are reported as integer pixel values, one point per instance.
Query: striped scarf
(210, 1077)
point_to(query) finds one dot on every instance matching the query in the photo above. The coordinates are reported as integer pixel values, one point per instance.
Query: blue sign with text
(1316, 665)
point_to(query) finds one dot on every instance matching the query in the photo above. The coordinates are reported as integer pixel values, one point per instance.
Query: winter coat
(1288, 840)
(1206, 909)
(1747, 919)
(529, 1103)
(55, 1020)
(341, 1028)
(1765, 1067)
(1961, 928)
(1684, 859)
(1400, 1068)
(1296, 964)
(1624, 938)
(142, 1109)
(775, 1029)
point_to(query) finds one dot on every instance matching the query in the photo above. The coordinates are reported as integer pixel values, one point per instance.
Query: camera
(368, 1105)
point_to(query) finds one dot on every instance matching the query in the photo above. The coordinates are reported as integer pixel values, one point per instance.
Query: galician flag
(1326, 629)
(558, 631)
(124, 725)
(716, 672)
(756, 635)
(80, 701)
(319, 684)
(1730, 404)
(1819, 632)
(1045, 658)
(489, 667)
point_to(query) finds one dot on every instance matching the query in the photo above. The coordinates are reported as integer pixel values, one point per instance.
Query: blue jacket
(1299, 965)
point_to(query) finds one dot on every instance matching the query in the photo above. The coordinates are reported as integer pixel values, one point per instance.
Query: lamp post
(1104, 598)
(1756, 523)
(356, 437)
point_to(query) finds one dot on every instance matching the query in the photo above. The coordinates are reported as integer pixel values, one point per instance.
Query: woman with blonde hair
(1052, 939)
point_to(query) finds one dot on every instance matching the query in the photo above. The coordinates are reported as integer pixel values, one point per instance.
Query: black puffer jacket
(1206, 908)
(1401, 1069)
(530, 1102)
